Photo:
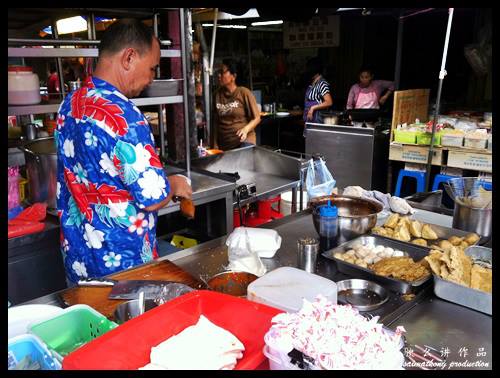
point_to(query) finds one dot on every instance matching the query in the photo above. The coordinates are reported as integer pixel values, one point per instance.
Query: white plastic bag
(242, 258)
(319, 180)
(263, 241)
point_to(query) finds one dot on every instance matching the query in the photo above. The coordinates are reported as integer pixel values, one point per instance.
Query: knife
(128, 289)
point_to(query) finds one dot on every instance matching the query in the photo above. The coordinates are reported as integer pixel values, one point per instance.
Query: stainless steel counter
(427, 319)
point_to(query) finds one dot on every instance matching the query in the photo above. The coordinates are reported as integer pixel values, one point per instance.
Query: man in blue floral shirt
(110, 180)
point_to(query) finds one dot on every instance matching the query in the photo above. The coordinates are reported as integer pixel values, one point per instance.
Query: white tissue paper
(262, 241)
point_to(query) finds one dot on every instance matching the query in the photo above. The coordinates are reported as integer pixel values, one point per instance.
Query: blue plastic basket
(29, 345)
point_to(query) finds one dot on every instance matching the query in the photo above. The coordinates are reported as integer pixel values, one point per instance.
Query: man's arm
(178, 187)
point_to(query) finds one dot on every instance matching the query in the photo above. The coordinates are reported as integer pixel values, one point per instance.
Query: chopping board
(97, 297)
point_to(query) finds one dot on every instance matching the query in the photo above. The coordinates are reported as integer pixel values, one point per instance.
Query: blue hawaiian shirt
(107, 173)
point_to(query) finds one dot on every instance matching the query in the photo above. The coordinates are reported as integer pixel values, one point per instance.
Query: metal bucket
(41, 169)
(473, 220)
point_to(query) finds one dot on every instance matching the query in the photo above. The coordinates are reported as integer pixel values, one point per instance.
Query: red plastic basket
(128, 346)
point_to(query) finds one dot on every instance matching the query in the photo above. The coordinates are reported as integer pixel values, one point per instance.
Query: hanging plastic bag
(242, 258)
(319, 180)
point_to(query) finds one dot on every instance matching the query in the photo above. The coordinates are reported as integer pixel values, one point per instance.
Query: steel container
(356, 216)
(473, 220)
(131, 309)
(41, 169)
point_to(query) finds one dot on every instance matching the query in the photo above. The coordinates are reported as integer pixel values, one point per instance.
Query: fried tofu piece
(481, 278)
(463, 245)
(444, 272)
(434, 261)
(428, 233)
(471, 238)
(416, 229)
(461, 266)
(422, 242)
(455, 240)
(392, 221)
(445, 244)
(402, 233)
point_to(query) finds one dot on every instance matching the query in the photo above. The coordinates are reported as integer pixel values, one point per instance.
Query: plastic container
(472, 142)
(23, 86)
(20, 317)
(452, 140)
(23, 346)
(328, 221)
(129, 346)
(286, 202)
(425, 138)
(404, 136)
(74, 327)
(286, 288)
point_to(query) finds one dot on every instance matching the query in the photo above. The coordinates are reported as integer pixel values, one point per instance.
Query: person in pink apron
(367, 94)
(318, 95)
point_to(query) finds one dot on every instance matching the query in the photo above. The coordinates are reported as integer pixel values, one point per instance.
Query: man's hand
(180, 187)
(242, 133)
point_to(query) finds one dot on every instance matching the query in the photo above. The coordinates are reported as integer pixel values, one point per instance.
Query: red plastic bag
(36, 212)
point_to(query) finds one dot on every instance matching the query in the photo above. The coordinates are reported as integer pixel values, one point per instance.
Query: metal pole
(249, 59)
(185, 92)
(214, 34)
(60, 72)
(155, 28)
(399, 51)
(206, 82)
(442, 74)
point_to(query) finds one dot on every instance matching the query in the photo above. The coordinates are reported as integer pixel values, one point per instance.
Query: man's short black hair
(127, 32)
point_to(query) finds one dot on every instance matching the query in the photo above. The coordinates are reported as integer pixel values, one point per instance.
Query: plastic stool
(487, 185)
(440, 178)
(419, 176)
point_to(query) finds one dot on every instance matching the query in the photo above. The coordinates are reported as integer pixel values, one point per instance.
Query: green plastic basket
(404, 136)
(74, 327)
(425, 138)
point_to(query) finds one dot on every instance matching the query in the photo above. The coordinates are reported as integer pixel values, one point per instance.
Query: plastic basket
(404, 136)
(452, 140)
(425, 139)
(23, 346)
(129, 346)
(74, 327)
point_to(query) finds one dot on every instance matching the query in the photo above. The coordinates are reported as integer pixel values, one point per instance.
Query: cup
(307, 254)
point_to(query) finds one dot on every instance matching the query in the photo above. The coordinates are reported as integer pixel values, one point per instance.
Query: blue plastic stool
(440, 178)
(419, 176)
(487, 185)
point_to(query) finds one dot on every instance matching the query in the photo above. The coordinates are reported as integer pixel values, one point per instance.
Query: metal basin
(129, 310)
(361, 294)
(357, 216)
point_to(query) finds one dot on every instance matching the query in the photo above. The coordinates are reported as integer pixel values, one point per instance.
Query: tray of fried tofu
(463, 277)
(396, 265)
(408, 230)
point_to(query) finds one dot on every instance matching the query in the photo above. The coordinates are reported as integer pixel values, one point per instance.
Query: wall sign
(319, 31)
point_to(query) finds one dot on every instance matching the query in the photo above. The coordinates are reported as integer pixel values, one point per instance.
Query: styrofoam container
(20, 317)
(286, 288)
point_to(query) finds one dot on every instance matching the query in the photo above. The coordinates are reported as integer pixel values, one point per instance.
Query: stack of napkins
(203, 346)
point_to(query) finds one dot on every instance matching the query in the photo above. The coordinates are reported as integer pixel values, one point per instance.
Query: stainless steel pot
(357, 216)
(41, 169)
(473, 220)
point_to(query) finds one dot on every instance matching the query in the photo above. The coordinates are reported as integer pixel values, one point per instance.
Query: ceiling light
(261, 23)
(225, 26)
(71, 25)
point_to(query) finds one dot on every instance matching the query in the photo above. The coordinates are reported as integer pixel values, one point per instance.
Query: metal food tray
(463, 295)
(414, 251)
(443, 233)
